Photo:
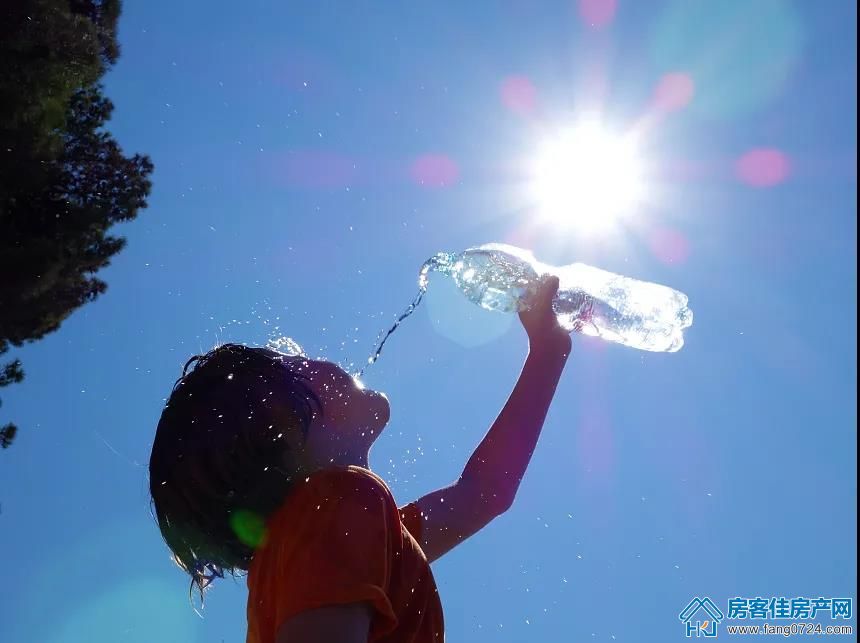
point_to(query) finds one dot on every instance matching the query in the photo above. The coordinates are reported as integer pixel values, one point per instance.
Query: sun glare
(587, 178)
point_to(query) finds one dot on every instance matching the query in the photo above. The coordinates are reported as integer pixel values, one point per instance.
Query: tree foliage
(64, 181)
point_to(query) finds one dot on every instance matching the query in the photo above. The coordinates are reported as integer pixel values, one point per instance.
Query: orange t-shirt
(340, 538)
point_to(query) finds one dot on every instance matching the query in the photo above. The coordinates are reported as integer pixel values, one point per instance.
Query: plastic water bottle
(595, 302)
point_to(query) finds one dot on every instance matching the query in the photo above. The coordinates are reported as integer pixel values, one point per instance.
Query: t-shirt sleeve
(344, 553)
(410, 516)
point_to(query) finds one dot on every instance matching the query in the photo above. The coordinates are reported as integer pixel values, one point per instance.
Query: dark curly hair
(222, 455)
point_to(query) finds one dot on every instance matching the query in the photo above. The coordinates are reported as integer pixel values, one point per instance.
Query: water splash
(440, 262)
(285, 345)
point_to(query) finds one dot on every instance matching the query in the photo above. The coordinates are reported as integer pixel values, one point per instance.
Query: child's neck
(336, 459)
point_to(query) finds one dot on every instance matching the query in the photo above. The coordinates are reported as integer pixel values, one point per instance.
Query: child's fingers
(549, 288)
(541, 303)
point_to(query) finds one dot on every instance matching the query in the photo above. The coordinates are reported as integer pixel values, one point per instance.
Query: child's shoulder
(348, 482)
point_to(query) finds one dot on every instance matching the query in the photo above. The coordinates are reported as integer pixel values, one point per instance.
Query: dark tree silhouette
(64, 181)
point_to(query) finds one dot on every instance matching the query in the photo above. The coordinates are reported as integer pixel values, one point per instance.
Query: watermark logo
(701, 617)
(780, 607)
(777, 615)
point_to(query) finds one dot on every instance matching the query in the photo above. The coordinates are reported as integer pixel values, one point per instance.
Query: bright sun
(587, 178)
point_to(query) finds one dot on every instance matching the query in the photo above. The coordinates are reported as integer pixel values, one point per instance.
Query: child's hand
(541, 323)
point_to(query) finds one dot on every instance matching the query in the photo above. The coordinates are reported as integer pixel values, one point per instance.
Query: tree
(64, 181)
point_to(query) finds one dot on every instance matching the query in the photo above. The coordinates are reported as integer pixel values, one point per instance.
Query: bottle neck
(440, 262)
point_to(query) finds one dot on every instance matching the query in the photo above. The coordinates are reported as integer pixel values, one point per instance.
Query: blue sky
(309, 160)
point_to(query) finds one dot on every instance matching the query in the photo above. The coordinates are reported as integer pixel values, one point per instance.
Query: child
(260, 464)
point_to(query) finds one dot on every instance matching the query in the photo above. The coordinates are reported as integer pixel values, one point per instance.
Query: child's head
(238, 430)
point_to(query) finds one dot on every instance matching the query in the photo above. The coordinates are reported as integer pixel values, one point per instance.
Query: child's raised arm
(490, 479)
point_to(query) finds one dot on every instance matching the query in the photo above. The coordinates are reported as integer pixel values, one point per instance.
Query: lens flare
(763, 167)
(434, 171)
(519, 95)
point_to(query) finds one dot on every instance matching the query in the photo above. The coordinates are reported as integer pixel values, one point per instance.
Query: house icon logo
(701, 608)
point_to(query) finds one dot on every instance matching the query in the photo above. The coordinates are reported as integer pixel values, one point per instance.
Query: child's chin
(379, 408)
